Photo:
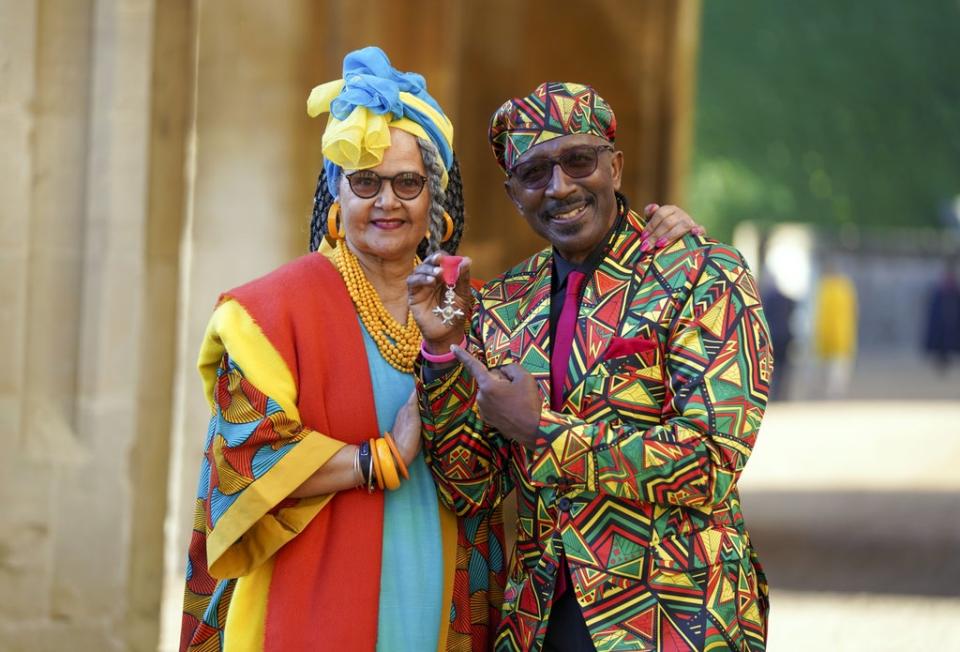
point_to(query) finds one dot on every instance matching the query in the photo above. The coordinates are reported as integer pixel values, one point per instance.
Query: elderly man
(618, 389)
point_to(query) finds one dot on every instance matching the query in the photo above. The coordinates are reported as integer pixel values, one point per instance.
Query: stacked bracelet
(363, 462)
(357, 473)
(388, 467)
(378, 464)
(374, 453)
(371, 485)
(396, 456)
(443, 357)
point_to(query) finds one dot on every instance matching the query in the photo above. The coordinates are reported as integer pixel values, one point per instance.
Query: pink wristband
(443, 357)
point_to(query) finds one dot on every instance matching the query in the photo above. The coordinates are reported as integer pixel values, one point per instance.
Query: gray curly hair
(434, 165)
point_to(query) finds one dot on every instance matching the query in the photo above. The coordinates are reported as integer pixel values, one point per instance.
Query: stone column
(24, 528)
(172, 101)
(93, 508)
(253, 163)
(76, 113)
(44, 112)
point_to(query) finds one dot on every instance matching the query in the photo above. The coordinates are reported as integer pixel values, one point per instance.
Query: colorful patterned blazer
(636, 477)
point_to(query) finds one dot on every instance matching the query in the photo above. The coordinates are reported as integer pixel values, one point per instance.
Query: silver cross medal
(449, 309)
(451, 271)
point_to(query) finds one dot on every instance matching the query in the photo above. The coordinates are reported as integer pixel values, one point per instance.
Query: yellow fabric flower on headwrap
(371, 98)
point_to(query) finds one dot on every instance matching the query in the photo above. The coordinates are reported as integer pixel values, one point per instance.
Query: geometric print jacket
(635, 477)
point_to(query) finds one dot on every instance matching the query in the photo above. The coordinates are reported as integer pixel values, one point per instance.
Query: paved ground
(880, 376)
(852, 622)
(855, 510)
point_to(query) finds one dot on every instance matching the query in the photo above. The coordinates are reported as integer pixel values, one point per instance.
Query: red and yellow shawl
(283, 365)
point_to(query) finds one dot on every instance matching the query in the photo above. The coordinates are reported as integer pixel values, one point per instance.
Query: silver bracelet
(370, 479)
(356, 469)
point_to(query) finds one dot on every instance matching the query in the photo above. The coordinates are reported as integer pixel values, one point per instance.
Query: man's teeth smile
(571, 214)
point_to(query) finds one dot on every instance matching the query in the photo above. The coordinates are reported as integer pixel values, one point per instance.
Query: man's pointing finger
(474, 366)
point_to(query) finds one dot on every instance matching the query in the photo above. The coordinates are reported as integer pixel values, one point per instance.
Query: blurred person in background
(942, 339)
(313, 531)
(618, 389)
(835, 328)
(778, 309)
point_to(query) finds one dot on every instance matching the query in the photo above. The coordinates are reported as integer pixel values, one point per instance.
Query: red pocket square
(621, 346)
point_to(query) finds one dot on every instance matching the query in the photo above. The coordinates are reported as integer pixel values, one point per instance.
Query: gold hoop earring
(334, 227)
(448, 223)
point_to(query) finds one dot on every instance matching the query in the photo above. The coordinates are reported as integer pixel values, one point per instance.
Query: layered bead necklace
(398, 343)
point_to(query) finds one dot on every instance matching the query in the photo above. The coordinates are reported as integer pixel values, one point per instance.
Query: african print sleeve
(468, 459)
(257, 451)
(717, 368)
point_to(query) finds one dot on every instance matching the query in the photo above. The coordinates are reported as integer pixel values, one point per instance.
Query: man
(616, 388)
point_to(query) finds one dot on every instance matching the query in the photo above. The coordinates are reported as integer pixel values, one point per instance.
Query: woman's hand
(406, 429)
(426, 291)
(666, 224)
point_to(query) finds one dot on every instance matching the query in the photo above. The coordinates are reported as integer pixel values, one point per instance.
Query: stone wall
(88, 258)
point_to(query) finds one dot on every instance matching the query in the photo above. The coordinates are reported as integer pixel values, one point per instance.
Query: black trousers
(567, 630)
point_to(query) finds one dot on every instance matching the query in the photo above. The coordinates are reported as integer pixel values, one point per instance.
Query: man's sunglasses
(366, 184)
(576, 163)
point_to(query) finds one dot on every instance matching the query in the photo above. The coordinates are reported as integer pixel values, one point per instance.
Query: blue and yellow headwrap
(372, 97)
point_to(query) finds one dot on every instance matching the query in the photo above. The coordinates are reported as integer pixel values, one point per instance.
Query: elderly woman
(317, 521)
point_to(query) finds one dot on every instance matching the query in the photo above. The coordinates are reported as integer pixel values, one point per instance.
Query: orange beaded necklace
(398, 343)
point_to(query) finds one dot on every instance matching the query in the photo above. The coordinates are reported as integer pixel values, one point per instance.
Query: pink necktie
(559, 359)
(563, 338)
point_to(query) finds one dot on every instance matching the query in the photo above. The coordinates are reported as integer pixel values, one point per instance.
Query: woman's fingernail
(650, 208)
(661, 242)
(645, 245)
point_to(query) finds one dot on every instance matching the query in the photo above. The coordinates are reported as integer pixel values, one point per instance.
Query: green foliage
(830, 112)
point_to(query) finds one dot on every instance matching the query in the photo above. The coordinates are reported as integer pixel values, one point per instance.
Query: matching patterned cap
(553, 109)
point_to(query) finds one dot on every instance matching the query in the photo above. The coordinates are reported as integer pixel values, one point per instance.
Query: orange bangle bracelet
(390, 478)
(396, 456)
(376, 462)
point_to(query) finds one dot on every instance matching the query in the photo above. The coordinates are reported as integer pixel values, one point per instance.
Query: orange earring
(448, 230)
(334, 228)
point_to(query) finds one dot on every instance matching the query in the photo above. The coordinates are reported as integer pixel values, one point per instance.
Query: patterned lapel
(605, 299)
(530, 339)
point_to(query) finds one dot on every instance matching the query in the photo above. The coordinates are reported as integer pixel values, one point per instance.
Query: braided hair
(450, 201)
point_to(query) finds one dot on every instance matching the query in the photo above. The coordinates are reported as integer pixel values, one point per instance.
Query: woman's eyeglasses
(366, 184)
(576, 162)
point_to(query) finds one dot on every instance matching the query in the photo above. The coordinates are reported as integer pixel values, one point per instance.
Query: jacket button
(564, 504)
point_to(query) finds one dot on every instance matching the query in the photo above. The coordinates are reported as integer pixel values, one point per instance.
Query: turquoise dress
(411, 576)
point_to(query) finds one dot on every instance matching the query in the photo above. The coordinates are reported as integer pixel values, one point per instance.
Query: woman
(295, 545)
